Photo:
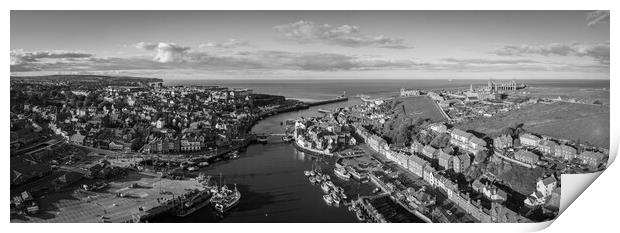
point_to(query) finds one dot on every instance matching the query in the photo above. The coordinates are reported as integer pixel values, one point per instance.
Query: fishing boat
(196, 200)
(227, 199)
(331, 184)
(312, 179)
(307, 173)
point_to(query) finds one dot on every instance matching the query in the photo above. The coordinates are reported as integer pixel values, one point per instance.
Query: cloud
(165, 52)
(597, 17)
(170, 56)
(232, 43)
(282, 60)
(495, 65)
(345, 35)
(20, 56)
(599, 52)
(488, 61)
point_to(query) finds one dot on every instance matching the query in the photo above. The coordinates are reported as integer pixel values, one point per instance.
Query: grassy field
(404, 112)
(588, 123)
(588, 95)
(417, 107)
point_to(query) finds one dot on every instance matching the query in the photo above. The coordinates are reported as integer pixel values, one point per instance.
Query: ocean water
(326, 89)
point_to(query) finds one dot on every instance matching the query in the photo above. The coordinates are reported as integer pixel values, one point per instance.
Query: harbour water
(273, 186)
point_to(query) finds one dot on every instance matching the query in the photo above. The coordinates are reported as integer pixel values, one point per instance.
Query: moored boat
(234, 155)
(360, 216)
(325, 187)
(327, 198)
(262, 138)
(335, 197)
(198, 200)
(287, 138)
(342, 173)
(226, 199)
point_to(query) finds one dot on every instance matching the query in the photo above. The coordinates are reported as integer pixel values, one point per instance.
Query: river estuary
(271, 180)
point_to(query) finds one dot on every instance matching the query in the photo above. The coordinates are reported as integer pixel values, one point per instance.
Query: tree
(481, 156)
(441, 141)
(137, 143)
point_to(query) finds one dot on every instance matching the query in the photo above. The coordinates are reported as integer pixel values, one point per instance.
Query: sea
(270, 176)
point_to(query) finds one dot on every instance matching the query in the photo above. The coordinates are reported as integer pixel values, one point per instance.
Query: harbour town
(122, 149)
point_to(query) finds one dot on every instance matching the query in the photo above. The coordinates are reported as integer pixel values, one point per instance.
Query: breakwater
(340, 99)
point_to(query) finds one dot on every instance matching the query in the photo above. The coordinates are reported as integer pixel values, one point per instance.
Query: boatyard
(137, 196)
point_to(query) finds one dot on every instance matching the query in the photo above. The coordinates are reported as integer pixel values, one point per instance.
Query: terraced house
(467, 141)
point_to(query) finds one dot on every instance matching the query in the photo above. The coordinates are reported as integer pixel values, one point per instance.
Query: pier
(317, 103)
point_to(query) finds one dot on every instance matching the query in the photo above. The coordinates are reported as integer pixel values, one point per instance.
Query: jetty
(330, 101)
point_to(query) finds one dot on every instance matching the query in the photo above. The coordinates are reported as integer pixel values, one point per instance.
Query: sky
(313, 44)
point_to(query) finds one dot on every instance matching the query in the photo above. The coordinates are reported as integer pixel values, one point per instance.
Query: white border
(594, 210)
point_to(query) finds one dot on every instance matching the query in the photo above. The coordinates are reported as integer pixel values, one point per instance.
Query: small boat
(326, 177)
(376, 190)
(343, 196)
(360, 216)
(203, 164)
(335, 197)
(307, 173)
(342, 173)
(312, 179)
(318, 179)
(331, 184)
(287, 138)
(312, 173)
(262, 138)
(328, 199)
(325, 187)
(192, 168)
(234, 154)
